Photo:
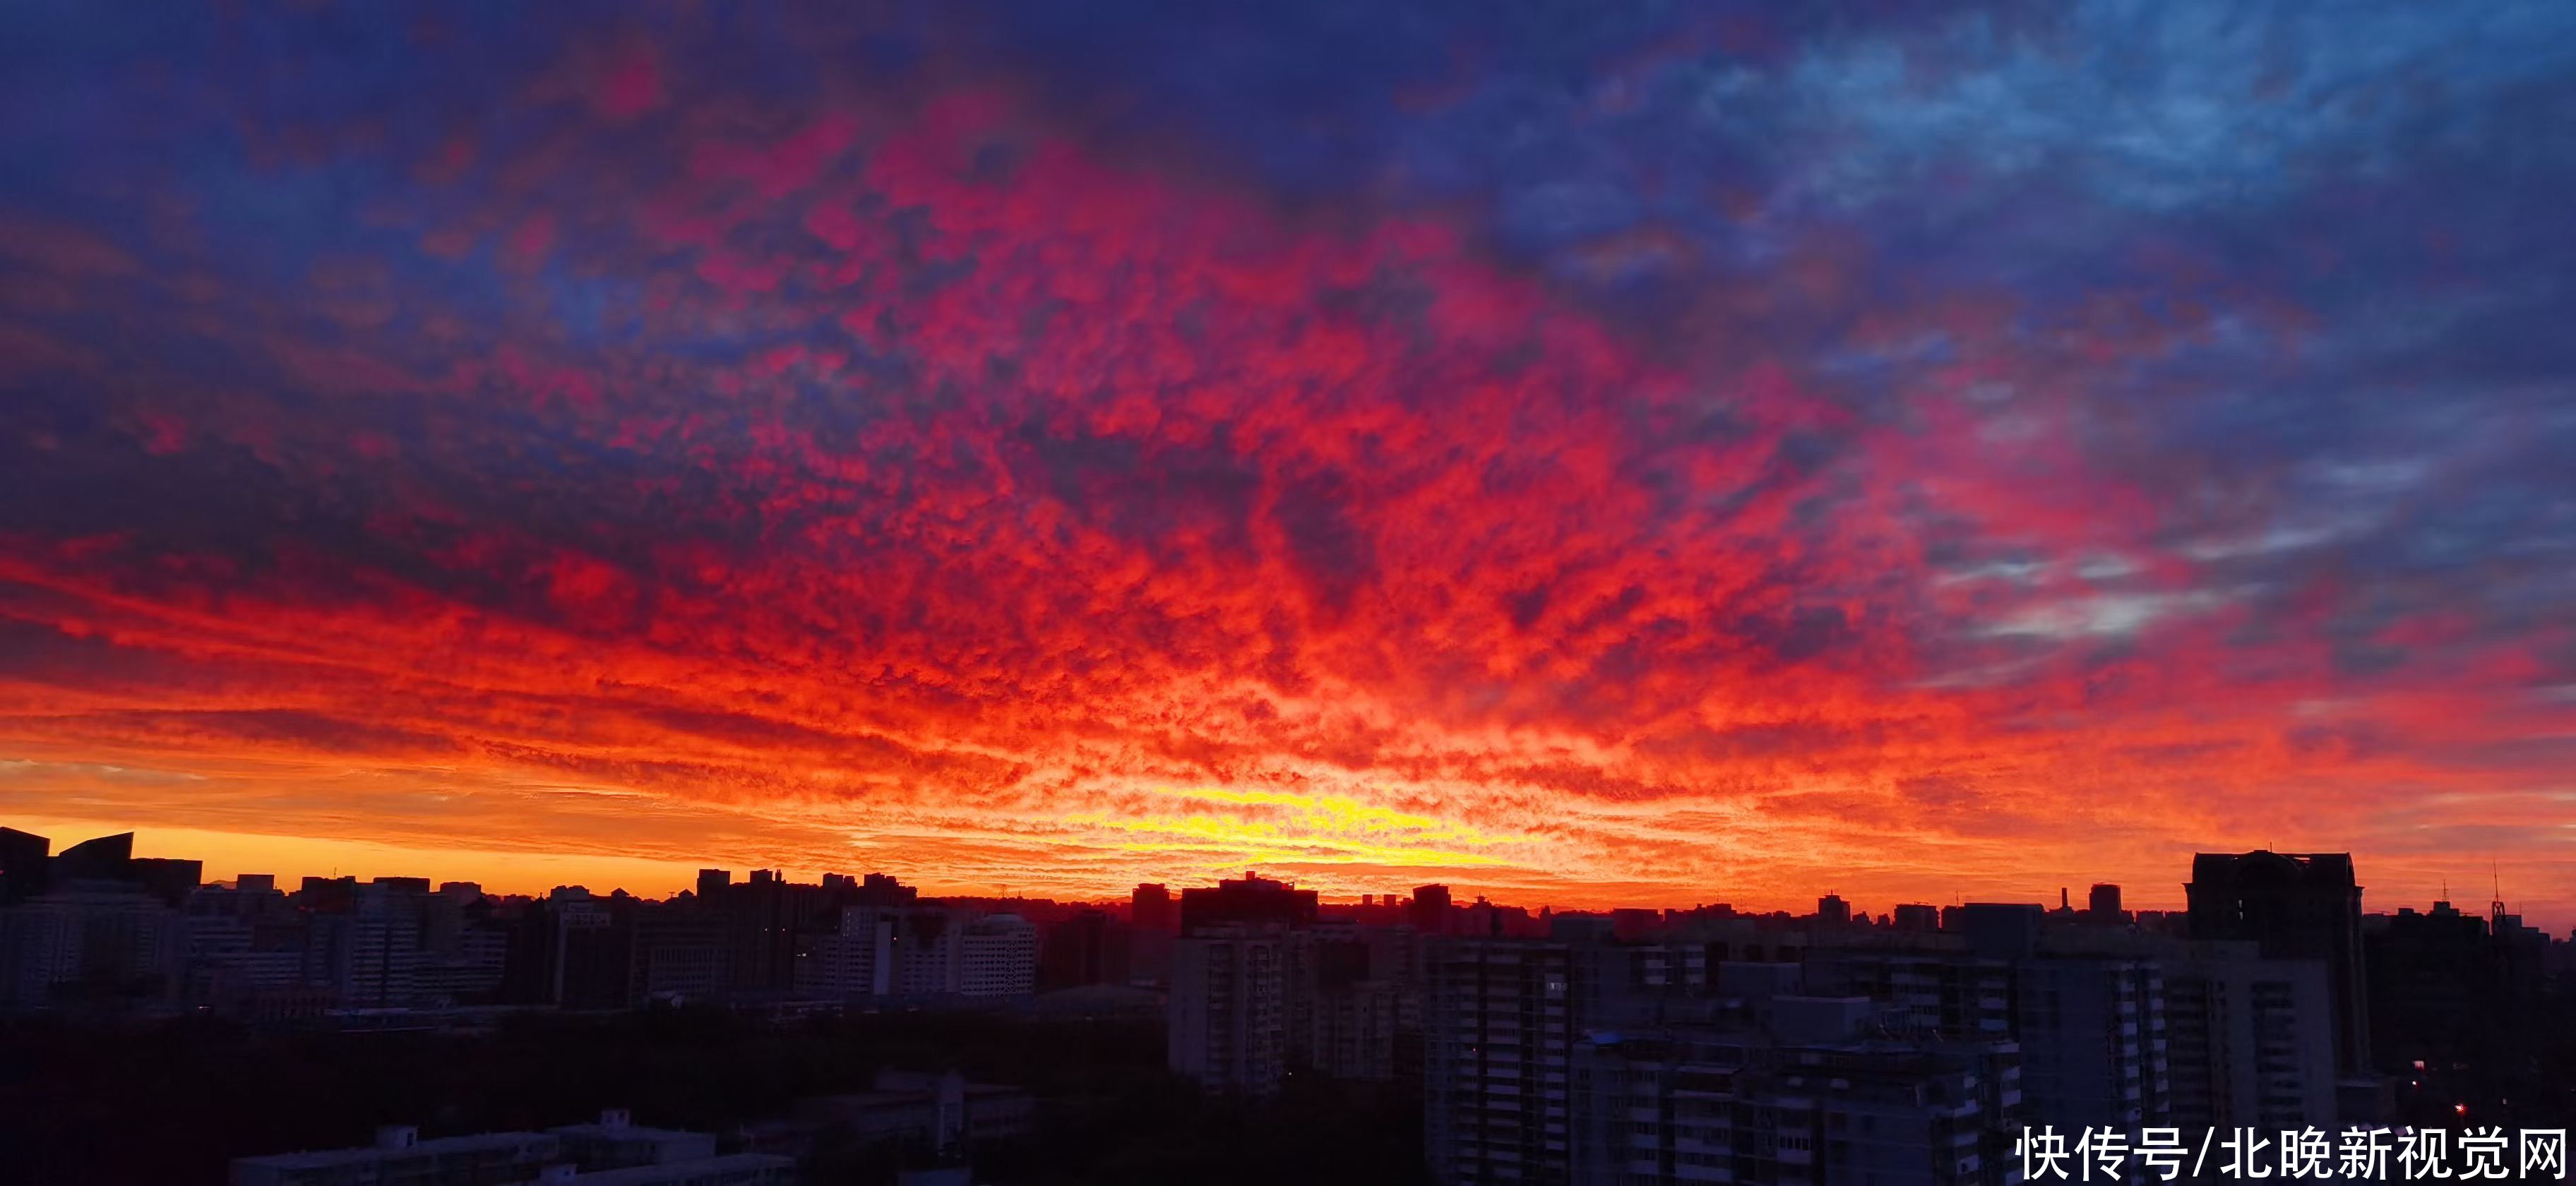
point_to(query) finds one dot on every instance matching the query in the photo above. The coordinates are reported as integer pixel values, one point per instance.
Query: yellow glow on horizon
(291, 858)
(1327, 829)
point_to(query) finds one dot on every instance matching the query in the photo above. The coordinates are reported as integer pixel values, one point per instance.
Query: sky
(1599, 454)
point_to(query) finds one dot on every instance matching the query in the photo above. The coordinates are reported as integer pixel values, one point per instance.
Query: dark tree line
(174, 1102)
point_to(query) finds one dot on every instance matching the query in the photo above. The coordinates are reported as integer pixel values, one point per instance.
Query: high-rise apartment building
(2295, 906)
(2093, 1041)
(1948, 993)
(1499, 1027)
(856, 960)
(1229, 1009)
(1734, 1103)
(997, 957)
(2251, 1040)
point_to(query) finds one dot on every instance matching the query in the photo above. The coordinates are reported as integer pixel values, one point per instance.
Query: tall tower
(2295, 906)
(1149, 908)
(1429, 912)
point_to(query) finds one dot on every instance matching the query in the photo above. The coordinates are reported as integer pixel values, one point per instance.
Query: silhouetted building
(2093, 1044)
(25, 859)
(681, 954)
(942, 1117)
(1997, 930)
(1737, 1103)
(1228, 1022)
(1150, 909)
(1253, 901)
(468, 951)
(611, 1152)
(168, 878)
(1499, 1031)
(595, 951)
(102, 859)
(1950, 994)
(243, 948)
(1429, 910)
(2456, 999)
(327, 895)
(399, 1155)
(1490, 920)
(368, 953)
(997, 957)
(1594, 1057)
(2102, 904)
(92, 942)
(1832, 911)
(948, 952)
(765, 917)
(1155, 918)
(878, 889)
(90, 925)
(730, 1169)
(1089, 948)
(2293, 906)
(573, 950)
(615, 1141)
(856, 960)
(924, 952)
(2090, 1027)
(1354, 1001)
(25, 870)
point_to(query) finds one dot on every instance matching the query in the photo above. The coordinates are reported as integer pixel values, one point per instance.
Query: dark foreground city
(1451, 592)
(763, 1032)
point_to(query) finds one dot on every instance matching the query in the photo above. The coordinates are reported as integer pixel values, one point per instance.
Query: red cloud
(937, 484)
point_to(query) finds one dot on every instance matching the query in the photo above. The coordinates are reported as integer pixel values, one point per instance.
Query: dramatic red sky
(1577, 458)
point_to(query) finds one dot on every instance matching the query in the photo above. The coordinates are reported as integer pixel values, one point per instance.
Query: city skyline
(2129, 898)
(1599, 456)
(533, 872)
(854, 1028)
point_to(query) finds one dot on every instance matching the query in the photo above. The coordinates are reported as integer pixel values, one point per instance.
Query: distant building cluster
(96, 927)
(941, 1117)
(1628, 1046)
(944, 1116)
(614, 1151)
(1705, 1045)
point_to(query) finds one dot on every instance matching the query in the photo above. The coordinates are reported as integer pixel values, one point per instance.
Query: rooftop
(655, 1175)
(597, 1130)
(320, 1158)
